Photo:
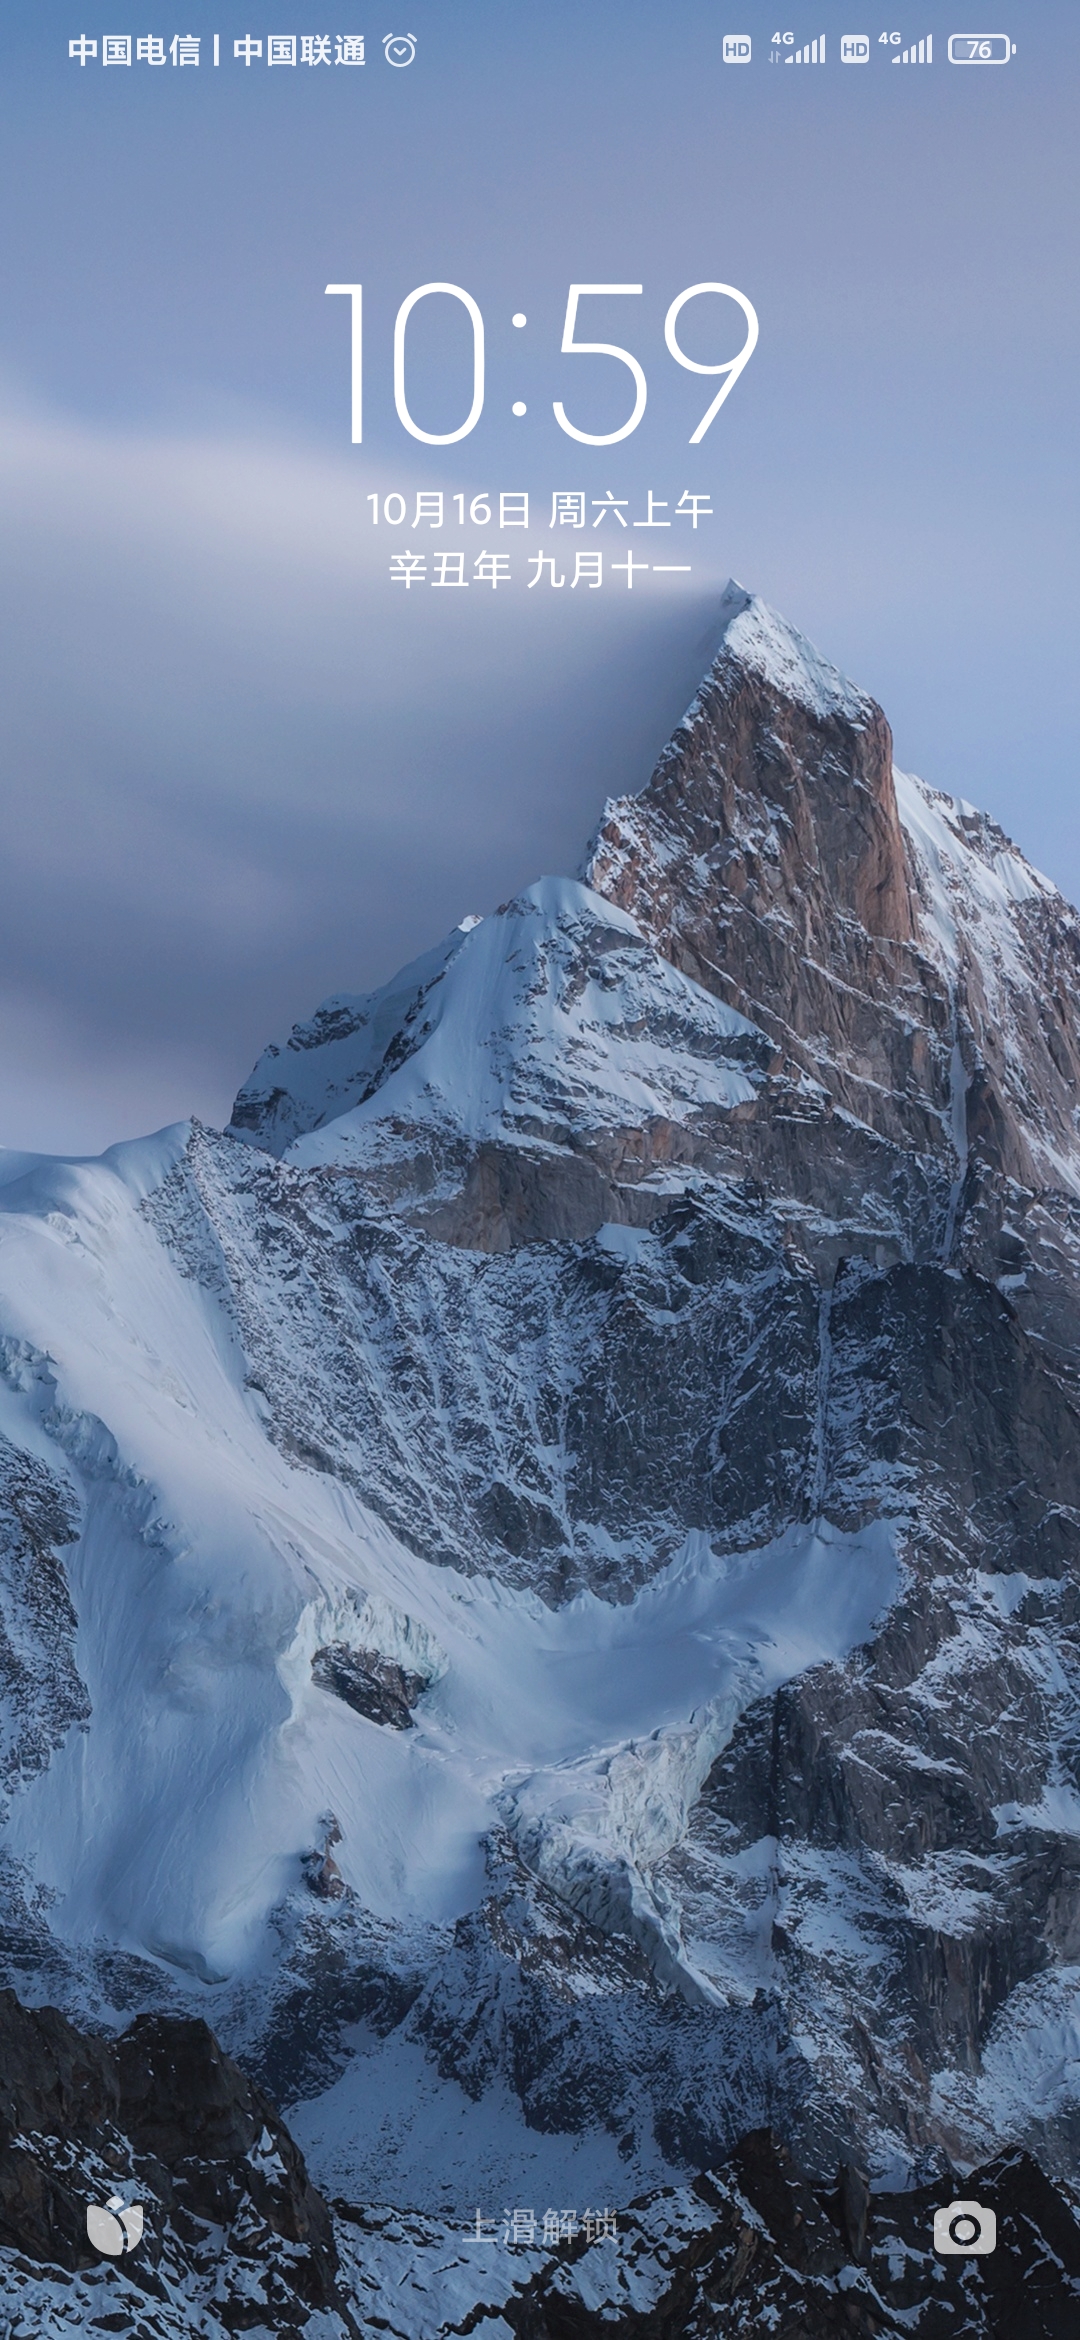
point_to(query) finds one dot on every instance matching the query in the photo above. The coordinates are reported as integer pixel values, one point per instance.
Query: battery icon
(980, 48)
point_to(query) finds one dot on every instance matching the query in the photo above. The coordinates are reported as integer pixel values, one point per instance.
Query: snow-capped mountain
(542, 1042)
(540, 1571)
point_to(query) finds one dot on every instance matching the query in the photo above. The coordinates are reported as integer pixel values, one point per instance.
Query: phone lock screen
(539, 1172)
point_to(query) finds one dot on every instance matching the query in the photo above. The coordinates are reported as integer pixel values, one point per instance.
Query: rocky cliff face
(916, 971)
(233, 2235)
(611, 1398)
(891, 940)
(766, 859)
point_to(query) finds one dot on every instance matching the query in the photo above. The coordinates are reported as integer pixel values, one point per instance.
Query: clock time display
(572, 345)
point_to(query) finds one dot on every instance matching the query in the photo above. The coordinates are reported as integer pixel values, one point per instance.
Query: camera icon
(964, 2230)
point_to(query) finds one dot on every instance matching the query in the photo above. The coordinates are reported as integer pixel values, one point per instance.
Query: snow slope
(551, 1017)
(770, 647)
(207, 1573)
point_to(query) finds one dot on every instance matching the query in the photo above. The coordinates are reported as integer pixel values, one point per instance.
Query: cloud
(243, 770)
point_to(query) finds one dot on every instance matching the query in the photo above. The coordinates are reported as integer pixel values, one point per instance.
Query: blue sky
(240, 769)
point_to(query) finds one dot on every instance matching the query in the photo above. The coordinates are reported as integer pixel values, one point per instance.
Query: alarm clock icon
(399, 48)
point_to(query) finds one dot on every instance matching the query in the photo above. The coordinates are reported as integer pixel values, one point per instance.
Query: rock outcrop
(160, 2117)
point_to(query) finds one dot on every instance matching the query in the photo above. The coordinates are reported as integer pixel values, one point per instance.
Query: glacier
(176, 1822)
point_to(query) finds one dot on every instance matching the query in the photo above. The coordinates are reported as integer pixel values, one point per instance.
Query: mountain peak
(883, 968)
(889, 939)
(766, 859)
(768, 646)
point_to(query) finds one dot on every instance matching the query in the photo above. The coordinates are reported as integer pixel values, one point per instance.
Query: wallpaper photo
(539, 1176)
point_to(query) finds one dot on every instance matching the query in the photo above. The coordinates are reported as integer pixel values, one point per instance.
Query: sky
(241, 768)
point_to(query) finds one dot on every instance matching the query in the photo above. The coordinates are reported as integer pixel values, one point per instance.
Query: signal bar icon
(812, 54)
(920, 53)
